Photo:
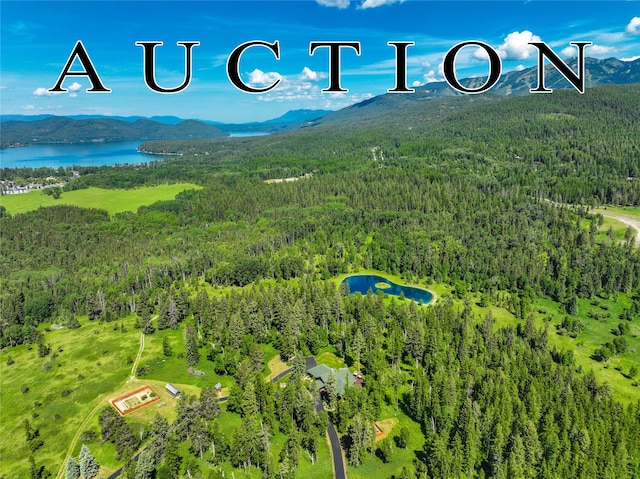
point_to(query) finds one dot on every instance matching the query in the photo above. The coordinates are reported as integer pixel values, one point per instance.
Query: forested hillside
(66, 130)
(467, 196)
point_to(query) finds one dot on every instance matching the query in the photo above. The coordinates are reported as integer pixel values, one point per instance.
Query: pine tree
(209, 407)
(331, 388)
(166, 347)
(356, 347)
(361, 438)
(193, 355)
(249, 401)
(145, 468)
(72, 470)
(89, 467)
(200, 436)
(172, 457)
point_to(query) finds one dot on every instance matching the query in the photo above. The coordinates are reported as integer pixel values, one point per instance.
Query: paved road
(334, 440)
(336, 452)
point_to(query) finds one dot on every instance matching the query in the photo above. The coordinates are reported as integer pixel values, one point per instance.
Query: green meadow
(56, 393)
(113, 201)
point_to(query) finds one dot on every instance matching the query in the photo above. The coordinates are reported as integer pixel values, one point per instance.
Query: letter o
(450, 71)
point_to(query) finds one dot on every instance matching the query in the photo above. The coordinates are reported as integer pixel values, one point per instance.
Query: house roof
(343, 377)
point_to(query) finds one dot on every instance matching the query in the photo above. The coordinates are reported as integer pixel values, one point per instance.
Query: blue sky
(37, 38)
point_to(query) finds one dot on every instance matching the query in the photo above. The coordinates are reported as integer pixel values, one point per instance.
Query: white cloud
(260, 78)
(334, 3)
(631, 59)
(590, 50)
(336, 101)
(40, 92)
(304, 87)
(309, 75)
(600, 50)
(429, 75)
(28, 107)
(634, 26)
(377, 3)
(519, 68)
(2, 87)
(516, 46)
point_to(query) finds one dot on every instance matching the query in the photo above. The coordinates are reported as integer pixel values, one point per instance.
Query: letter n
(80, 53)
(577, 80)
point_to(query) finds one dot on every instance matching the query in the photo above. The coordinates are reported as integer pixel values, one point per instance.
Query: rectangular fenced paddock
(134, 400)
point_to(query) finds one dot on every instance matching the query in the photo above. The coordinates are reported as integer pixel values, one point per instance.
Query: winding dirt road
(627, 219)
(102, 402)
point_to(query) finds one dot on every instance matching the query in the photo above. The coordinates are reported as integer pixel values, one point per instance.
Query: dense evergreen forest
(465, 192)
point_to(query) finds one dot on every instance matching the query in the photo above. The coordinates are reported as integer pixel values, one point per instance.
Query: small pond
(361, 283)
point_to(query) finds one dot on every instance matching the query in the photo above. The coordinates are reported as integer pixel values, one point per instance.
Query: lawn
(114, 201)
(331, 360)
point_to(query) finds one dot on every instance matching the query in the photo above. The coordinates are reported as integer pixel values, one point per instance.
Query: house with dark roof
(321, 373)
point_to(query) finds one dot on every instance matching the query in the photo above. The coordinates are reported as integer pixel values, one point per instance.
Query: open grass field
(597, 332)
(114, 201)
(84, 365)
(619, 219)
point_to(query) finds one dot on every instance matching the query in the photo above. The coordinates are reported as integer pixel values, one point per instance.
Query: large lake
(78, 154)
(83, 154)
(361, 283)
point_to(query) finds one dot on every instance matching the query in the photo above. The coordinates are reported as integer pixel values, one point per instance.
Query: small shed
(171, 389)
(218, 387)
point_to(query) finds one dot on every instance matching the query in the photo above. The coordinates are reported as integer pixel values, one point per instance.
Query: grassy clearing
(275, 367)
(387, 426)
(620, 219)
(89, 363)
(321, 469)
(331, 360)
(623, 210)
(114, 201)
(596, 332)
(174, 368)
(373, 465)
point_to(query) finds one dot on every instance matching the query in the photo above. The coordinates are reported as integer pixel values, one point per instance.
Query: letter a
(89, 71)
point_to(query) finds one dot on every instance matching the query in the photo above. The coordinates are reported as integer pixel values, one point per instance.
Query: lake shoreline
(368, 281)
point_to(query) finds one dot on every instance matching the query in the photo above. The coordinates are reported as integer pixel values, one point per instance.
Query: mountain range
(18, 130)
